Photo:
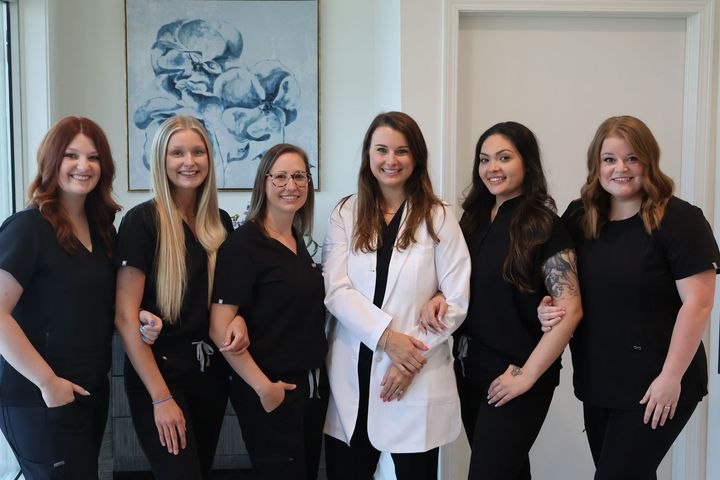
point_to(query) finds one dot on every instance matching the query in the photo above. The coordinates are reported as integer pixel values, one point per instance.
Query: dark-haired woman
(279, 387)
(57, 287)
(388, 250)
(647, 263)
(520, 251)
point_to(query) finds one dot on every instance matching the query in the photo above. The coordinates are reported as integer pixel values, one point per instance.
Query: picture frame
(247, 69)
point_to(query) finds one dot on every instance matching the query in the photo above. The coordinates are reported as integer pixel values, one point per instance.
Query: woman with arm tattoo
(648, 262)
(520, 252)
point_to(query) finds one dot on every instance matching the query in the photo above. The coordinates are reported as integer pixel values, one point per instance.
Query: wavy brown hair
(535, 216)
(418, 188)
(44, 190)
(657, 187)
(303, 220)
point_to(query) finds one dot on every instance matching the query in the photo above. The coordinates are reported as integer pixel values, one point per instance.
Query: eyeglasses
(281, 179)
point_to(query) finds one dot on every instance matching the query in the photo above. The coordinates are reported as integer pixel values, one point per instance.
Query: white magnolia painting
(247, 69)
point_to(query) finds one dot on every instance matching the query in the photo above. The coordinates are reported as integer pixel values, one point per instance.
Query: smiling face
(501, 168)
(80, 168)
(290, 198)
(391, 161)
(621, 171)
(186, 160)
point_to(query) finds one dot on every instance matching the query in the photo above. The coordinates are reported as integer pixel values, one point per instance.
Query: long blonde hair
(170, 268)
(657, 187)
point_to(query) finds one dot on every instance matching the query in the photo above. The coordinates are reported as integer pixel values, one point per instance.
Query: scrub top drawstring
(202, 353)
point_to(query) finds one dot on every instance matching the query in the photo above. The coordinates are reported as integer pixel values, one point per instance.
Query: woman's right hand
(548, 314)
(433, 313)
(272, 394)
(405, 352)
(150, 326)
(170, 423)
(59, 391)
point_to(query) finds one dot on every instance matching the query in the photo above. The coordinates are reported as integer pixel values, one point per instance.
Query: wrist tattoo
(516, 371)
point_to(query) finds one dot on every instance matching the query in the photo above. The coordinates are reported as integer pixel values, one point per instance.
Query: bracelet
(158, 402)
(387, 339)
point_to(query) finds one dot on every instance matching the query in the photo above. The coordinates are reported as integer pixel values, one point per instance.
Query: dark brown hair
(44, 190)
(535, 215)
(657, 187)
(418, 188)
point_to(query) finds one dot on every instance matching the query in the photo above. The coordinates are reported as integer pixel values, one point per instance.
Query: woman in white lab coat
(389, 249)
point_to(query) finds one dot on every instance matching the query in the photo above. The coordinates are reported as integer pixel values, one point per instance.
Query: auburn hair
(657, 188)
(44, 191)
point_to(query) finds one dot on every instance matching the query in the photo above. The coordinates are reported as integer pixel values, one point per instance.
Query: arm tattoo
(560, 272)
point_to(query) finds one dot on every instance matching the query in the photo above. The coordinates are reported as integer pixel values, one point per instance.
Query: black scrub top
(281, 296)
(137, 239)
(502, 323)
(65, 310)
(631, 302)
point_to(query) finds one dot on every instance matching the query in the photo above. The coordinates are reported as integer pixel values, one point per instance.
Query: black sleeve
(226, 221)
(137, 239)
(687, 240)
(235, 272)
(571, 220)
(559, 240)
(20, 245)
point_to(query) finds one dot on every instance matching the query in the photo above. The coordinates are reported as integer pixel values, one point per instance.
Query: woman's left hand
(660, 400)
(394, 384)
(236, 337)
(513, 383)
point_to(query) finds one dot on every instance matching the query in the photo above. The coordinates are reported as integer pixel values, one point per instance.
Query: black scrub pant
(359, 460)
(501, 437)
(61, 442)
(284, 444)
(202, 397)
(623, 447)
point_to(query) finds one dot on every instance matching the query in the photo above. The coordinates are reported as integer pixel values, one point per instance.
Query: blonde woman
(166, 255)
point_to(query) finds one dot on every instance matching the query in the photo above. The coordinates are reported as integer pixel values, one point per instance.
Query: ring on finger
(667, 407)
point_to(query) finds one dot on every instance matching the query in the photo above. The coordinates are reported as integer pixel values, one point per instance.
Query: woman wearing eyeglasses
(279, 387)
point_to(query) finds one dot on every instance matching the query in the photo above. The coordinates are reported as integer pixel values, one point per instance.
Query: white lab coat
(428, 415)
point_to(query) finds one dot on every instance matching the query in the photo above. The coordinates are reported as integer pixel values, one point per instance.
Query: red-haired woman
(57, 286)
(647, 263)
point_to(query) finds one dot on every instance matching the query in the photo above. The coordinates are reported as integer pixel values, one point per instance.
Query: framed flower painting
(248, 70)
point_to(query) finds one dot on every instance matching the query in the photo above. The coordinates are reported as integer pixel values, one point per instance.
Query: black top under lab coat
(281, 296)
(502, 324)
(631, 302)
(137, 240)
(65, 310)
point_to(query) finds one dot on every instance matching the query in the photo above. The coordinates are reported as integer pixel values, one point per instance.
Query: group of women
(433, 322)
